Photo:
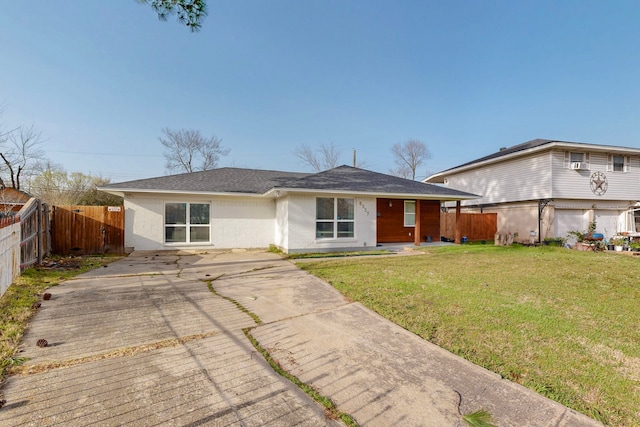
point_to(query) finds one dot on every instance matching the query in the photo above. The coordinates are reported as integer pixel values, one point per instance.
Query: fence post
(47, 229)
(458, 232)
(39, 229)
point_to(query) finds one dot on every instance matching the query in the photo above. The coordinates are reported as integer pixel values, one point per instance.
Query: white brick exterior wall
(282, 223)
(143, 223)
(235, 222)
(238, 223)
(247, 222)
(301, 211)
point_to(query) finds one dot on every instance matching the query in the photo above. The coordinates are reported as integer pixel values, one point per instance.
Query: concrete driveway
(145, 342)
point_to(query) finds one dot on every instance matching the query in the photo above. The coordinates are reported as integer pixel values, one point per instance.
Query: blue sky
(100, 79)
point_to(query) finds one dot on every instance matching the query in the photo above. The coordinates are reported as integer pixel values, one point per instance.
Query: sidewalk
(144, 342)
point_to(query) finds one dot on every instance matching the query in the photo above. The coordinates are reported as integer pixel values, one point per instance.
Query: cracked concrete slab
(214, 381)
(138, 343)
(152, 345)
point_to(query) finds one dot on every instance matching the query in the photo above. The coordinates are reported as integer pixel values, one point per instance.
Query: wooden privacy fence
(24, 240)
(34, 231)
(480, 226)
(87, 230)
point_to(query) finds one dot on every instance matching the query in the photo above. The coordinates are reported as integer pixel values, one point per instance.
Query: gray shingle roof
(223, 180)
(254, 181)
(513, 149)
(347, 178)
(535, 143)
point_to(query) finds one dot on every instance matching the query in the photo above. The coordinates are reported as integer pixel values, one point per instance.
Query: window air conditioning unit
(578, 165)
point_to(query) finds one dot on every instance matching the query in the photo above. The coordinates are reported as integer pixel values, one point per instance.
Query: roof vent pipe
(503, 148)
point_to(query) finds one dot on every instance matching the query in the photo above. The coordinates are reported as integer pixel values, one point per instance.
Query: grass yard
(564, 323)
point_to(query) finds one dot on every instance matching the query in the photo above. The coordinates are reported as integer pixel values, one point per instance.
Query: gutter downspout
(542, 203)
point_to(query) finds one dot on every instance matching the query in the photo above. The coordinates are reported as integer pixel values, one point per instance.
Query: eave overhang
(280, 192)
(438, 178)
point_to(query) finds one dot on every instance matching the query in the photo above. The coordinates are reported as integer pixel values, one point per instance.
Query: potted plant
(634, 246)
(579, 236)
(618, 243)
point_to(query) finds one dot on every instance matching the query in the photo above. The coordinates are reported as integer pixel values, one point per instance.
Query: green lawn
(561, 322)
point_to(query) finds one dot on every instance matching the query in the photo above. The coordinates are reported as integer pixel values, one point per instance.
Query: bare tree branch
(330, 155)
(188, 151)
(409, 156)
(20, 152)
(401, 171)
(308, 156)
(326, 156)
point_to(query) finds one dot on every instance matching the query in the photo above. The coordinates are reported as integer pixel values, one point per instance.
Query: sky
(101, 79)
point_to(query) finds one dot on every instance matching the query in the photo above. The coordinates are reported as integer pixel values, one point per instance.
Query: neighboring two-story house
(551, 187)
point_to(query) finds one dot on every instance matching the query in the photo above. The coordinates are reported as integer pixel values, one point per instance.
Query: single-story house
(338, 209)
(549, 188)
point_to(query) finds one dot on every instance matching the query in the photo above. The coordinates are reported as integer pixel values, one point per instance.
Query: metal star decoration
(599, 183)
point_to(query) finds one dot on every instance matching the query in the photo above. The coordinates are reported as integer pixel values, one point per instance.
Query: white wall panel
(527, 178)
(302, 225)
(242, 223)
(576, 184)
(235, 223)
(144, 223)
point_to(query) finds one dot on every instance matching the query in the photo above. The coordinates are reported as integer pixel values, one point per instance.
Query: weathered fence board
(87, 230)
(31, 229)
(472, 226)
(9, 252)
(24, 240)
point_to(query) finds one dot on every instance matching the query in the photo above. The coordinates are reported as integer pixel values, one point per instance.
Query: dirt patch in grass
(61, 264)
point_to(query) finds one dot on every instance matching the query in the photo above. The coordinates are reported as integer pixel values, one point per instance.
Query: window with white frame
(617, 163)
(409, 213)
(576, 160)
(576, 157)
(335, 217)
(187, 222)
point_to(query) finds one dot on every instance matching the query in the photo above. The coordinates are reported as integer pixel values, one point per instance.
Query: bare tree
(55, 186)
(408, 157)
(325, 157)
(94, 197)
(20, 153)
(51, 185)
(402, 171)
(189, 151)
(189, 12)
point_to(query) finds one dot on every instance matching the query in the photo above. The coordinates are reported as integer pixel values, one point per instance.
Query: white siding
(527, 178)
(302, 225)
(547, 175)
(576, 184)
